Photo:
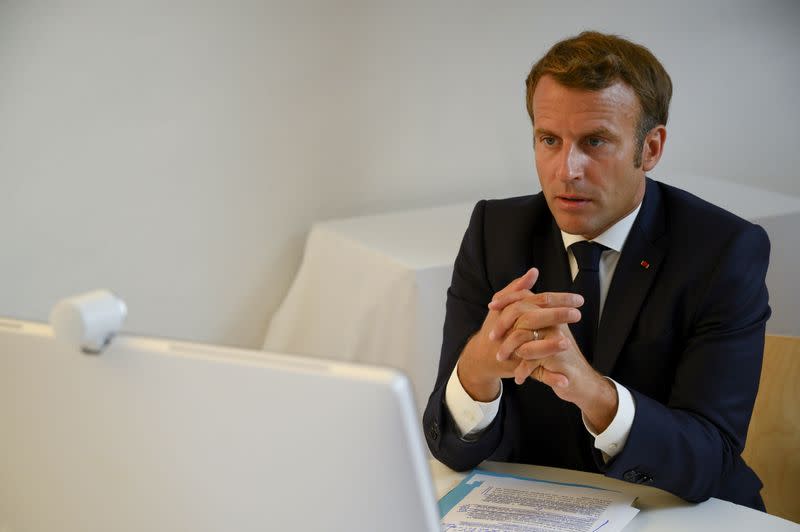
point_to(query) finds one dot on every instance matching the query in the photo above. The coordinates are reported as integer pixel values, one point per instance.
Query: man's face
(585, 142)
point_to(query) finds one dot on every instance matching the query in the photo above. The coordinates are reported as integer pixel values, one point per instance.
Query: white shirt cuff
(612, 440)
(471, 416)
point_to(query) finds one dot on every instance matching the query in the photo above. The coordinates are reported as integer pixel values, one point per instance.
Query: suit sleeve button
(637, 477)
(630, 476)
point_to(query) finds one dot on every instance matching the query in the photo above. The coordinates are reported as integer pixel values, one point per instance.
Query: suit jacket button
(433, 431)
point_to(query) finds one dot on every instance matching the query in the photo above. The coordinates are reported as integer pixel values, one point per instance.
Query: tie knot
(587, 254)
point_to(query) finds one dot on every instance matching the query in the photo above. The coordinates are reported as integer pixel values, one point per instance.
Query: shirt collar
(613, 238)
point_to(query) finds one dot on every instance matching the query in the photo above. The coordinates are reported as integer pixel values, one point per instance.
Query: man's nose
(572, 163)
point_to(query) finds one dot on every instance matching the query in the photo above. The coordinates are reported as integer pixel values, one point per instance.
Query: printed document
(485, 502)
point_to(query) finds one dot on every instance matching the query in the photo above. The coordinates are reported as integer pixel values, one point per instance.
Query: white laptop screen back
(160, 435)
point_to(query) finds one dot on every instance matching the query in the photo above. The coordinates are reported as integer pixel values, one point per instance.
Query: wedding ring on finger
(536, 335)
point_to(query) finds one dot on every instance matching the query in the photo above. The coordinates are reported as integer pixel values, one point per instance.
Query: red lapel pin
(645, 264)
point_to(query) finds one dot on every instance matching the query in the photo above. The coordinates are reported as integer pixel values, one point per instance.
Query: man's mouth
(571, 198)
(572, 203)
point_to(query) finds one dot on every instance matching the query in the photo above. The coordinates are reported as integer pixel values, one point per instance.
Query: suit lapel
(636, 270)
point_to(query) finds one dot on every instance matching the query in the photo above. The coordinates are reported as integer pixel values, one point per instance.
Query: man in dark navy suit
(609, 323)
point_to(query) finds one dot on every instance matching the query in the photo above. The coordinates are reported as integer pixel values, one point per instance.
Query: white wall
(178, 155)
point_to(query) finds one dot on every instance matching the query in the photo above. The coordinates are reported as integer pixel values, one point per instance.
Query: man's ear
(653, 147)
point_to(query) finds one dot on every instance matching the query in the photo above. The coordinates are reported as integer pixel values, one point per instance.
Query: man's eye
(548, 141)
(595, 142)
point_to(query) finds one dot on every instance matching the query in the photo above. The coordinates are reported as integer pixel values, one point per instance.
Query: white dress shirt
(472, 417)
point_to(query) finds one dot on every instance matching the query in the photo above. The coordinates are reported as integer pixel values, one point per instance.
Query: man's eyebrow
(541, 131)
(602, 132)
(597, 132)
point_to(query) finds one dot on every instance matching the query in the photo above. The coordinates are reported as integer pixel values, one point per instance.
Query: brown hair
(593, 61)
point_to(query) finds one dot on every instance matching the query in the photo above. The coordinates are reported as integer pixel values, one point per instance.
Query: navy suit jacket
(682, 328)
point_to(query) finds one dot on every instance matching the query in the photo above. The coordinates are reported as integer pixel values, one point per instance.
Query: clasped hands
(527, 335)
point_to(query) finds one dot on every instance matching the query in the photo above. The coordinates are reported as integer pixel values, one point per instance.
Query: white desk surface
(419, 239)
(659, 511)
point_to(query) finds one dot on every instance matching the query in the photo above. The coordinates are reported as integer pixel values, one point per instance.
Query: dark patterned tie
(587, 283)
